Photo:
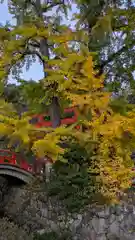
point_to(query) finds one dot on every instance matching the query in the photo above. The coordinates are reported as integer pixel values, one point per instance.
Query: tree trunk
(55, 112)
(54, 106)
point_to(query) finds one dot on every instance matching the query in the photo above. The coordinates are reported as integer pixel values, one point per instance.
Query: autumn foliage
(107, 136)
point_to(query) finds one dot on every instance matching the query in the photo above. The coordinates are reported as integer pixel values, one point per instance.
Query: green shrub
(71, 181)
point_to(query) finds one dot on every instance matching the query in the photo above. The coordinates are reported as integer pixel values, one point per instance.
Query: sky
(36, 71)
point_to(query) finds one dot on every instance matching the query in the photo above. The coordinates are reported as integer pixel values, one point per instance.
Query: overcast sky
(36, 71)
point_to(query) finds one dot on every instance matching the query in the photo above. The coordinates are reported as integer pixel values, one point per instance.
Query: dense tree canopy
(73, 74)
(110, 26)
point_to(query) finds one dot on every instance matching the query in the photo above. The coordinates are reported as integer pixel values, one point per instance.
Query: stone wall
(35, 212)
(10, 231)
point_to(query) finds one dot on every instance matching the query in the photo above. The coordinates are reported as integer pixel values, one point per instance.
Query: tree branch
(46, 8)
(103, 64)
(32, 52)
(34, 43)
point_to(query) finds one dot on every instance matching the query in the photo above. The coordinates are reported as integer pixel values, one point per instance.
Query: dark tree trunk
(54, 106)
(55, 112)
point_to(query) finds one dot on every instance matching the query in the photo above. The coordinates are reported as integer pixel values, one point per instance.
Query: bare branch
(51, 5)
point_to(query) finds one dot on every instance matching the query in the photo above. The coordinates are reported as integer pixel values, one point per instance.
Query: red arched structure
(9, 157)
(16, 172)
(12, 164)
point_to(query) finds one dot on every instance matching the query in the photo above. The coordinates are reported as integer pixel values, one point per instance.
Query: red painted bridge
(12, 164)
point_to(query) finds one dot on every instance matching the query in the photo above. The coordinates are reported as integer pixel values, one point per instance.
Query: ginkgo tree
(107, 136)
